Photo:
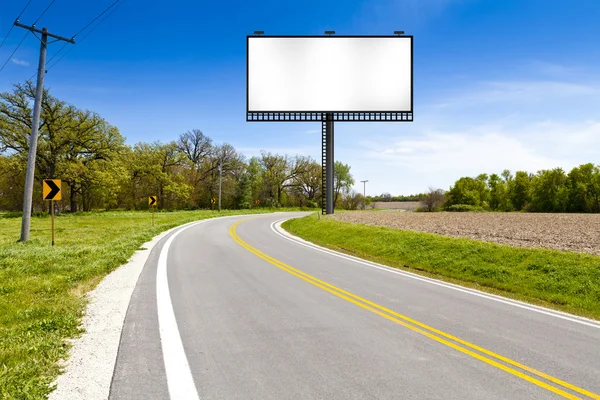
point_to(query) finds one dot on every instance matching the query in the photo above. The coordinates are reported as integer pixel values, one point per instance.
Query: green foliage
(520, 190)
(549, 192)
(546, 191)
(563, 280)
(342, 180)
(464, 208)
(100, 171)
(472, 191)
(311, 204)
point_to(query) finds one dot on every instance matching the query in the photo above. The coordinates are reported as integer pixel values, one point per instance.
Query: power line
(23, 10)
(97, 16)
(57, 53)
(13, 53)
(89, 32)
(47, 8)
(7, 35)
(12, 26)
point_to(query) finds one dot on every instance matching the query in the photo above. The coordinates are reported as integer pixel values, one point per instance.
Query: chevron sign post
(51, 191)
(152, 203)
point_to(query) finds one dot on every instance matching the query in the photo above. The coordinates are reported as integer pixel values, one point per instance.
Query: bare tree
(433, 199)
(352, 200)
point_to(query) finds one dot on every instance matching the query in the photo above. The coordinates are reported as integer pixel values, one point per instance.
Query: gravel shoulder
(570, 232)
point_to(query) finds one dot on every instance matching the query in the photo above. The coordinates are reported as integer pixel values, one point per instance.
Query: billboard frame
(337, 115)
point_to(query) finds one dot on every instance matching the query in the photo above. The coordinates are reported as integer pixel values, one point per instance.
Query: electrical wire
(47, 8)
(120, 2)
(7, 35)
(23, 10)
(57, 53)
(13, 53)
(13, 25)
(95, 19)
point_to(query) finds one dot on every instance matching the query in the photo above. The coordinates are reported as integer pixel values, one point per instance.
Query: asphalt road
(250, 314)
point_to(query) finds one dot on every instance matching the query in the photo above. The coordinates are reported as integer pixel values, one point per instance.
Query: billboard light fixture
(259, 33)
(398, 33)
(330, 33)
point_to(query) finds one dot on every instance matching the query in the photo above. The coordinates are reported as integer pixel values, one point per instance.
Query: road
(231, 309)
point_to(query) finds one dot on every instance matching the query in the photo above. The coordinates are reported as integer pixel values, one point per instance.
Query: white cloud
(486, 128)
(20, 62)
(553, 69)
(518, 93)
(439, 157)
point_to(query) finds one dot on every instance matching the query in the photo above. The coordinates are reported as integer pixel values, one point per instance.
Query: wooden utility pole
(33, 139)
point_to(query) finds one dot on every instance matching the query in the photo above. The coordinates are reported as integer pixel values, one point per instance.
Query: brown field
(397, 205)
(573, 232)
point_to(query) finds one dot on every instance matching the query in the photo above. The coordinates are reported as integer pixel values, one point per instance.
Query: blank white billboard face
(338, 74)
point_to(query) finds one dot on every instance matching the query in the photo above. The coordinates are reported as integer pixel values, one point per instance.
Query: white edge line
(179, 376)
(276, 227)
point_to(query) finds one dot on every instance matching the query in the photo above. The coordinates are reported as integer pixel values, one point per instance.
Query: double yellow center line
(463, 346)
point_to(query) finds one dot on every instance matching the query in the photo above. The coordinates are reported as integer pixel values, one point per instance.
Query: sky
(511, 84)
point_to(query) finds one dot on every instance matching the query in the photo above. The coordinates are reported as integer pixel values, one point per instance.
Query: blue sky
(498, 84)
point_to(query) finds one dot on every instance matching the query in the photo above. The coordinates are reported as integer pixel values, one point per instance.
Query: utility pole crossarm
(32, 28)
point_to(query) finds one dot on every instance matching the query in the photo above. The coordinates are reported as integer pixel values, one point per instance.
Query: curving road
(231, 308)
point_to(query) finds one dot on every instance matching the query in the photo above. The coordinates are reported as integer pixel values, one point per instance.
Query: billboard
(337, 74)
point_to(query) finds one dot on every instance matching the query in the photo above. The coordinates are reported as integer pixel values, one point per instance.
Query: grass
(561, 280)
(42, 288)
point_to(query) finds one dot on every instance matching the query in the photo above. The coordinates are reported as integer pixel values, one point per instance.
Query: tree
(351, 200)
(308, 182)
(342, 180)
(519, 190)
(498, 193)
(583, 184)
(549, 191)
(280, 172)
(470, 191)
(67, 135)
(433, 199)
(12, 177)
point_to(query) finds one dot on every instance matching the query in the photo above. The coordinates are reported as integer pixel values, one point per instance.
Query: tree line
(549, 190)
(99, 170)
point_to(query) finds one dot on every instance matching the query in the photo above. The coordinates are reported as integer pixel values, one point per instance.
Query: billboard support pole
(327, 163)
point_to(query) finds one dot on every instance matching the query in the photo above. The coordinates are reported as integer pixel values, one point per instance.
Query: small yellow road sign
(213, 200)
(51, 189)
(152, 201)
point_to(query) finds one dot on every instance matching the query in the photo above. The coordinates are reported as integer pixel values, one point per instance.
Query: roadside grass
(561, 280)
(42, 288)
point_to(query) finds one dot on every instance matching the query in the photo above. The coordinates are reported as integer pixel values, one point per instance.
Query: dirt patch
(572, 232)
(397, 205)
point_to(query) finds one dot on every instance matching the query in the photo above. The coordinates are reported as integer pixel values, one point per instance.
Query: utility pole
(364, 194)
(220, 172)
(33, 139)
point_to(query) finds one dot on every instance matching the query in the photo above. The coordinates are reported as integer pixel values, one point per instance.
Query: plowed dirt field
(572, 232)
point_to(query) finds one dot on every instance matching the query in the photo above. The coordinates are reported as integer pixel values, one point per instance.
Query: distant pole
(220, 174)
(364, 193)
(33, 138)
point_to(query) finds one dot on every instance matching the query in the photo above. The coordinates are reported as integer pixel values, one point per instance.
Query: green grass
(561, 280)
(42, 288)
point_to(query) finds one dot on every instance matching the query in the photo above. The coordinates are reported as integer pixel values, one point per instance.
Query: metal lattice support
(327, 160)
(397, 116)
(323, 166)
